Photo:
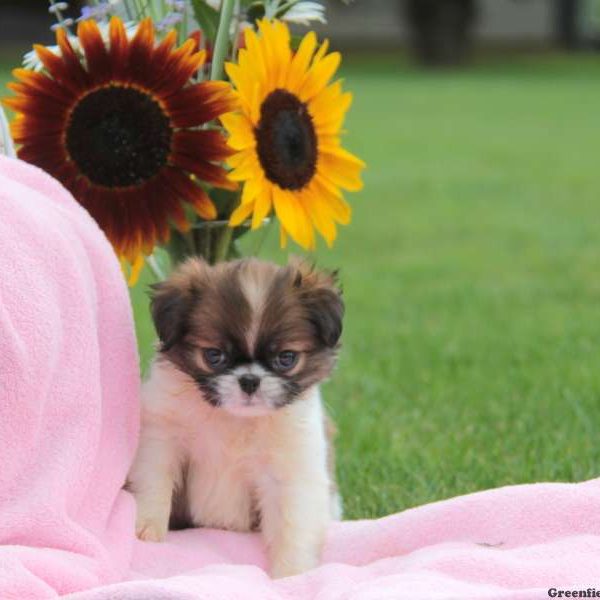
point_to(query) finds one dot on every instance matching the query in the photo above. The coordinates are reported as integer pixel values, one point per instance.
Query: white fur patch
(267, 398)
(254, 291)
(276, 463)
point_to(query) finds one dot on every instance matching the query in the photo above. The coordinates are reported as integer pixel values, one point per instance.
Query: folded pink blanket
(68, 426)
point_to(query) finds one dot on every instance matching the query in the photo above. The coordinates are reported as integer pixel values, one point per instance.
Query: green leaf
(207, 17)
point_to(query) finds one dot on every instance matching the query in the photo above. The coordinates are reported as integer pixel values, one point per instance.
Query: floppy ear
(172, 300)
(322, 299)
(169, 307)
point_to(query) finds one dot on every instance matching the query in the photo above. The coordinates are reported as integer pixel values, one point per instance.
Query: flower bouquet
(182, 124)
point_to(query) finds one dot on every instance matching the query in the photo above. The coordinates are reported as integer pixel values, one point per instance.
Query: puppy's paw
(292, 565)
(151, 530)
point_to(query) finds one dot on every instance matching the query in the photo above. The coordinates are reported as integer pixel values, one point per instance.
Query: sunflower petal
(340, 209)
(58, 70)
(30, 128)
(240, 79)
(254, 57)
(242, 157)
(139, 67)
(171, 74)
(213, 174)
(252, 188)
(283, 236)
(301, 61)
(135, 269)
(41, 84)
(96, 55)
(241, 132)
(293, 216)
(200, 103)
(341, 168)
(49, 157)
(206, 145)
(319, 75)
(321, 51)
(320, 215)
(240, 214)
(118, 46)
(262, 207)
(328, 108)
(247, 91)
(275, 40)
(38, 106)
(71, 59)
(244, 169)
(193, 194)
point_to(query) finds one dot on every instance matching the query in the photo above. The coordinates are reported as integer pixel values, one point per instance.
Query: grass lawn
(472, 280)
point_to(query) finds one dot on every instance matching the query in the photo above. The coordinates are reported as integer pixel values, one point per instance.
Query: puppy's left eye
(285, 360)
(215, 358)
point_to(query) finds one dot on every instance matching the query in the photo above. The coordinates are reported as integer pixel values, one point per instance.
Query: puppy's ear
(322, 298)
(172, 301)
(169, 306)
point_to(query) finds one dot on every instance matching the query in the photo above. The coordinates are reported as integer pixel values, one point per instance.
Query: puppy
(234, 434)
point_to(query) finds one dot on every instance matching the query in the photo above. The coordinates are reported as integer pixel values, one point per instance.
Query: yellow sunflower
(286, 135)
(120, 126)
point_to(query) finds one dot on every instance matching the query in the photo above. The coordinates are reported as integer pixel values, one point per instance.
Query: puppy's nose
(249, 383)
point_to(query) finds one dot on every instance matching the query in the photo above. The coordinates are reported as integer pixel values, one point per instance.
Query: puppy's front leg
(294, 492)
(151, 480)
(294, 520)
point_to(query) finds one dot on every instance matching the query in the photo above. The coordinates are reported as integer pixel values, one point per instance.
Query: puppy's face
(251, 334)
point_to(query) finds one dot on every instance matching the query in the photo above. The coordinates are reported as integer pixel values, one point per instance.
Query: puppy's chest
(226, 466)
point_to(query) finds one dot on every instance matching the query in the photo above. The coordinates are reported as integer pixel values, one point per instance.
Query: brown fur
(233, 402)
(251, 309)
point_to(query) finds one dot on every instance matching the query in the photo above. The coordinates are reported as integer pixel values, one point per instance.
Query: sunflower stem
(184, 31)
(190, 242)
(222, 40)
(221, 48)
(236, 29)
(128, 10)
(142, 10)
(223, 244)
(204, 244)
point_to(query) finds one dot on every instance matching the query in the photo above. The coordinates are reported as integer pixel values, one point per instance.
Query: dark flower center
(118, 136)
(286, 141)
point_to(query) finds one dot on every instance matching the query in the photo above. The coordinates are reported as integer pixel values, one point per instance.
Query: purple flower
(176, 5)
(169, 21)
(98, 13)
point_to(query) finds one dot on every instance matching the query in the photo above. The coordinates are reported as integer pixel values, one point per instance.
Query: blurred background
(471, 269)
(437, 31)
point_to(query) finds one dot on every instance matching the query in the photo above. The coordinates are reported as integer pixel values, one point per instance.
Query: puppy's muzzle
(249, 383)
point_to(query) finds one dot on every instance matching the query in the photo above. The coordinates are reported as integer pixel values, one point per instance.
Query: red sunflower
(120, 128)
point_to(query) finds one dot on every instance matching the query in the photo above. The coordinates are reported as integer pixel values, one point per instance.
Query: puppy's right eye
(285, 361)
(214, 357)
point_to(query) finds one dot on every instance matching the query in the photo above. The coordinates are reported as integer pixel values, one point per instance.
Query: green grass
(471, 274)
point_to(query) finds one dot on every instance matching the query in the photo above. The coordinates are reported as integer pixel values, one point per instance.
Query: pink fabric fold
(69, 399)
(68, 393)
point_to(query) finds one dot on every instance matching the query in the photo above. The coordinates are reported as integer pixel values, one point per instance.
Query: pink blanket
(68, 426)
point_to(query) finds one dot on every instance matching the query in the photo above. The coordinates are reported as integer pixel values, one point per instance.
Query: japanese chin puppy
(234, 434)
